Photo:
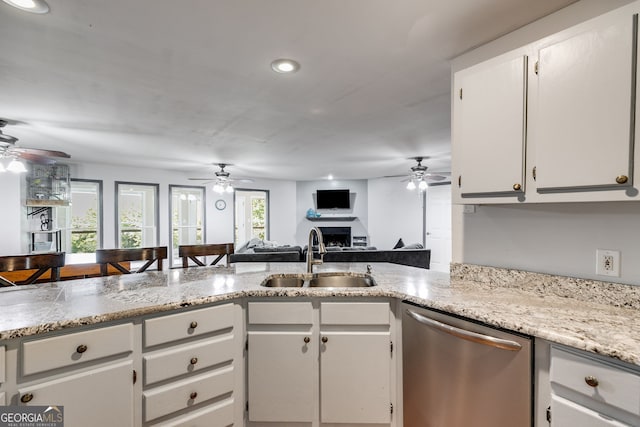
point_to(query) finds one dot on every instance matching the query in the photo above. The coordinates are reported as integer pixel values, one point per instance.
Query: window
(81, 222)
(136, 215)
(187, 218)
(251, 215)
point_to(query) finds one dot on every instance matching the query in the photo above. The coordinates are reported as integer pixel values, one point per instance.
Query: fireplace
(336, 236)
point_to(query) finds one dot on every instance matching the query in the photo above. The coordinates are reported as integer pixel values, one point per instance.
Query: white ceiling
(184, 84)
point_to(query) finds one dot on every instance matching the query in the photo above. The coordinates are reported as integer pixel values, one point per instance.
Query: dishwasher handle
(466, 335)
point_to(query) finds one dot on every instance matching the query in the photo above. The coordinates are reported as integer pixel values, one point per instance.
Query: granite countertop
(598, 317)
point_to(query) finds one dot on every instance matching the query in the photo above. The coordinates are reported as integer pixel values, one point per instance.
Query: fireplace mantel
(333, 218)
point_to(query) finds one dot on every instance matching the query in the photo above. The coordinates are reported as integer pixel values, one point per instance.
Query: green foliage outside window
(131, 229)
(84, 235)
(258, 217)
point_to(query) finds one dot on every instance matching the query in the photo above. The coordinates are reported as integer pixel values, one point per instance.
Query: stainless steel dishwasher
(457, 373)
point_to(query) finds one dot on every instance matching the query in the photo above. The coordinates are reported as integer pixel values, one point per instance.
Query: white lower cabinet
(190, 368)
(592, 391)
(100, 397)
(354, 377)
(316, 363)
(90, 373)
(281, 377)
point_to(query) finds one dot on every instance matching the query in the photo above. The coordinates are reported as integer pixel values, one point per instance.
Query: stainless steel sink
(284, 282)
(320, 280)
(340, 281)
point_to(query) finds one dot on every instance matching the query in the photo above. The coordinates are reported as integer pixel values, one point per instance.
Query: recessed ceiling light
(33, 6)
(283, 66)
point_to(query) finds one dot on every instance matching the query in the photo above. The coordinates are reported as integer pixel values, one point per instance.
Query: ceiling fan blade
(39, 152)
(245, 180)
(435, 177)
(7, 139)
(395, 176)
(34, 158)
(204, 180)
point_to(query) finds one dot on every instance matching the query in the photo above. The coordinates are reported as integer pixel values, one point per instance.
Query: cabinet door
(565, 413)
(101, 397)
(584, 130)
(281, 376)
(489, 128)
(354, 377)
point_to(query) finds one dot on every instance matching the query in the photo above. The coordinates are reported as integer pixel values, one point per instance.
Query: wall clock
(221, 204)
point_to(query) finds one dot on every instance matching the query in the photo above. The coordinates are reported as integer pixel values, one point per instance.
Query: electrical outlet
(607, 262)
(469, 209)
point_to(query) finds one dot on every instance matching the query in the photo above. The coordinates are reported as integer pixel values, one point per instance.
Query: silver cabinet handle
(466, 335)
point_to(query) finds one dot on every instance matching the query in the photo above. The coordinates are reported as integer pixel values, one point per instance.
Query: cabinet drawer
(72, 349)
(220, 414)
(615, 385)
(354, 313)
(182, 394)
(280, 313)
(187, 359)
(189, 324)
(565, 413)
(101, 397)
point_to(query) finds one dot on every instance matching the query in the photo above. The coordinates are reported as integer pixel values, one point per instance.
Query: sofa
(412, 255)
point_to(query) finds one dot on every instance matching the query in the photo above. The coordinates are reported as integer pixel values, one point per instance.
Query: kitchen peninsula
(585, 315)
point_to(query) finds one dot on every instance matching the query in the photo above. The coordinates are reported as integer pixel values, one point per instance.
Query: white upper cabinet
(585, 107)
(489, 128)
(553, 120)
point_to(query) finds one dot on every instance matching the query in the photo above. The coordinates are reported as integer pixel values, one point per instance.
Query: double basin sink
(320, 280)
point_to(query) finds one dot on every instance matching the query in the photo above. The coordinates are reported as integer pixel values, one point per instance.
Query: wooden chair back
(190, 252)
(39, 262)
(113, 257)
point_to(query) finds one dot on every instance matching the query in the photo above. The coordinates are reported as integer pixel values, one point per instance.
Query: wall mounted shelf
(333, 218)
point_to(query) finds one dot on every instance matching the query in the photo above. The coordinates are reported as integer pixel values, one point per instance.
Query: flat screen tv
(333, 199)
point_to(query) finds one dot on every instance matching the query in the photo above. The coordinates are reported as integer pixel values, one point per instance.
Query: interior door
(438, 226)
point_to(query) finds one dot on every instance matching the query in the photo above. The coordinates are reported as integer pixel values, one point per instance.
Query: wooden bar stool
(113, 257)
(39, 262)
(192, 251)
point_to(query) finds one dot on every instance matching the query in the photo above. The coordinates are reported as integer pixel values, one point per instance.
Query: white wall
(394, 213)
(306, 191)
(555, 238)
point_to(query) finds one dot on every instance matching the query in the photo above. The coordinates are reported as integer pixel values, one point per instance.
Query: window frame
(267, 219)
(156, 208)
(100, 224)
(204, 217)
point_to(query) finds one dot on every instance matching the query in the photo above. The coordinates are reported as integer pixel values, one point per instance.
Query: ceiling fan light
(218, 188)
(422, 185)
(229, 188)
(16, 166)
(411, 185)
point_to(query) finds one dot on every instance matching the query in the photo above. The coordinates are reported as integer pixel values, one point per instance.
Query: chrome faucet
(321, 249)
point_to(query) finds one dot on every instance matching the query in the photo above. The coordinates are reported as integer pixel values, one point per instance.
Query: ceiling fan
(222, 181)
(419, 177)
(9, 150)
